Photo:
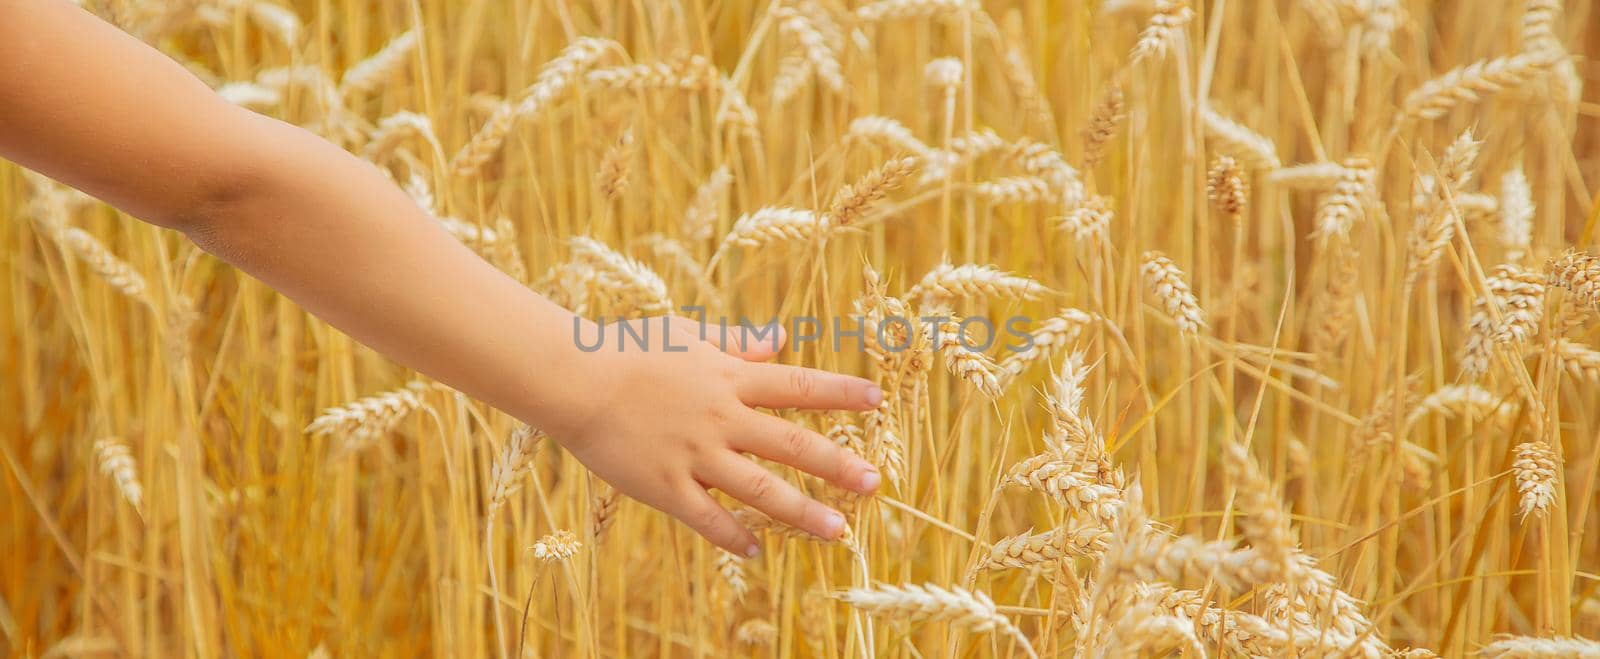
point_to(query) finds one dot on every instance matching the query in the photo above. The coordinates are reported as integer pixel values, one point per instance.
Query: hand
(665, 422)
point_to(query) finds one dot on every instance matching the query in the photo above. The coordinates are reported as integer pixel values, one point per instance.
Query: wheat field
(1310, 290)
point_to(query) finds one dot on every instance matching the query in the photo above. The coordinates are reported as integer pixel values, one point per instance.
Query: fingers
(752, 344)
(708, 518)
(780, 386)
(781, 441)
(765, 491)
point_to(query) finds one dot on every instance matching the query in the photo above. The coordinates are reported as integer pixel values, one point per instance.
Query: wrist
(575, 385)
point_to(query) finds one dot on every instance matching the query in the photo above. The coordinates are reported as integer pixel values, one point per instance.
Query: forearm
(332, 233)
(95, 108)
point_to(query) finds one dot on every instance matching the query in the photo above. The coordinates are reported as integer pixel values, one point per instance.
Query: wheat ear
(367, 75)
(556, 547)
(962, 608)
(117, 463)
(1517, 647)
(1251, 147)
(551, 84)
(853, 201)
(1466, 84)
(1578, 273)
(947, 283)
(1166, 283)
(1162, 32)
(884, 10)
(633, 282)
(1536, 473)
(756, 633)
(366, 419)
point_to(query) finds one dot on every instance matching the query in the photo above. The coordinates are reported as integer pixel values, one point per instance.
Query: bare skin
(92, 107)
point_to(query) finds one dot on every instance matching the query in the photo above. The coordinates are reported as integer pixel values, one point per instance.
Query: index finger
(780, 386)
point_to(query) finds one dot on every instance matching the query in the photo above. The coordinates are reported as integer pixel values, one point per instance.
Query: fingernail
(752, 551)
(870, 479)
(874, 396)
(834, 525)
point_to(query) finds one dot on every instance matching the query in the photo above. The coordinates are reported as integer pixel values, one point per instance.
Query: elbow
(222, 192)
(210, 203)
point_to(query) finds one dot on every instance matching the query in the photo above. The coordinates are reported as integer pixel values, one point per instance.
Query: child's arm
(93, 107)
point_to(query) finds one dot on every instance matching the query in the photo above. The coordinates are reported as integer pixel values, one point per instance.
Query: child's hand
(663, 426)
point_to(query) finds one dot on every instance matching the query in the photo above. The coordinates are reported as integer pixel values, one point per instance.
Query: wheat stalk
(1516, 214)
(731, 569)
(1345, 202)
(1438, 215)
(944, 74)
(367, 75)
(603, 511)
(1028, 550)
(853, 201)
(886, 132)
(735, 111)
(1052, 333)
(1107, 115)
(633, 282)
(756, 633)
(1265, 523)
(1227, 188)
(365, 420)
(820, 57)
(1530, 647)
(885, 10)
(1017, 190)
(615, 166)
(1166, 283)
(394, 130)
(768, 226)
(947, 283)
(1309, 175)
(689, 73)
(1578, 273)
(1536, 474)
(1507, 316)
(117, 463)
(505, 477)
(556, 547)
(1071, 433)
(115, 271)
(700, 218)
(1469, 83)
(552, 83)
(1253, 148)
(1581, 362)
(1163, 31)
(1019, 75)
(1451, 401)
(1050, 475)
(929, 602)
(963, 361)
(794, 73)
(1090, 222)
